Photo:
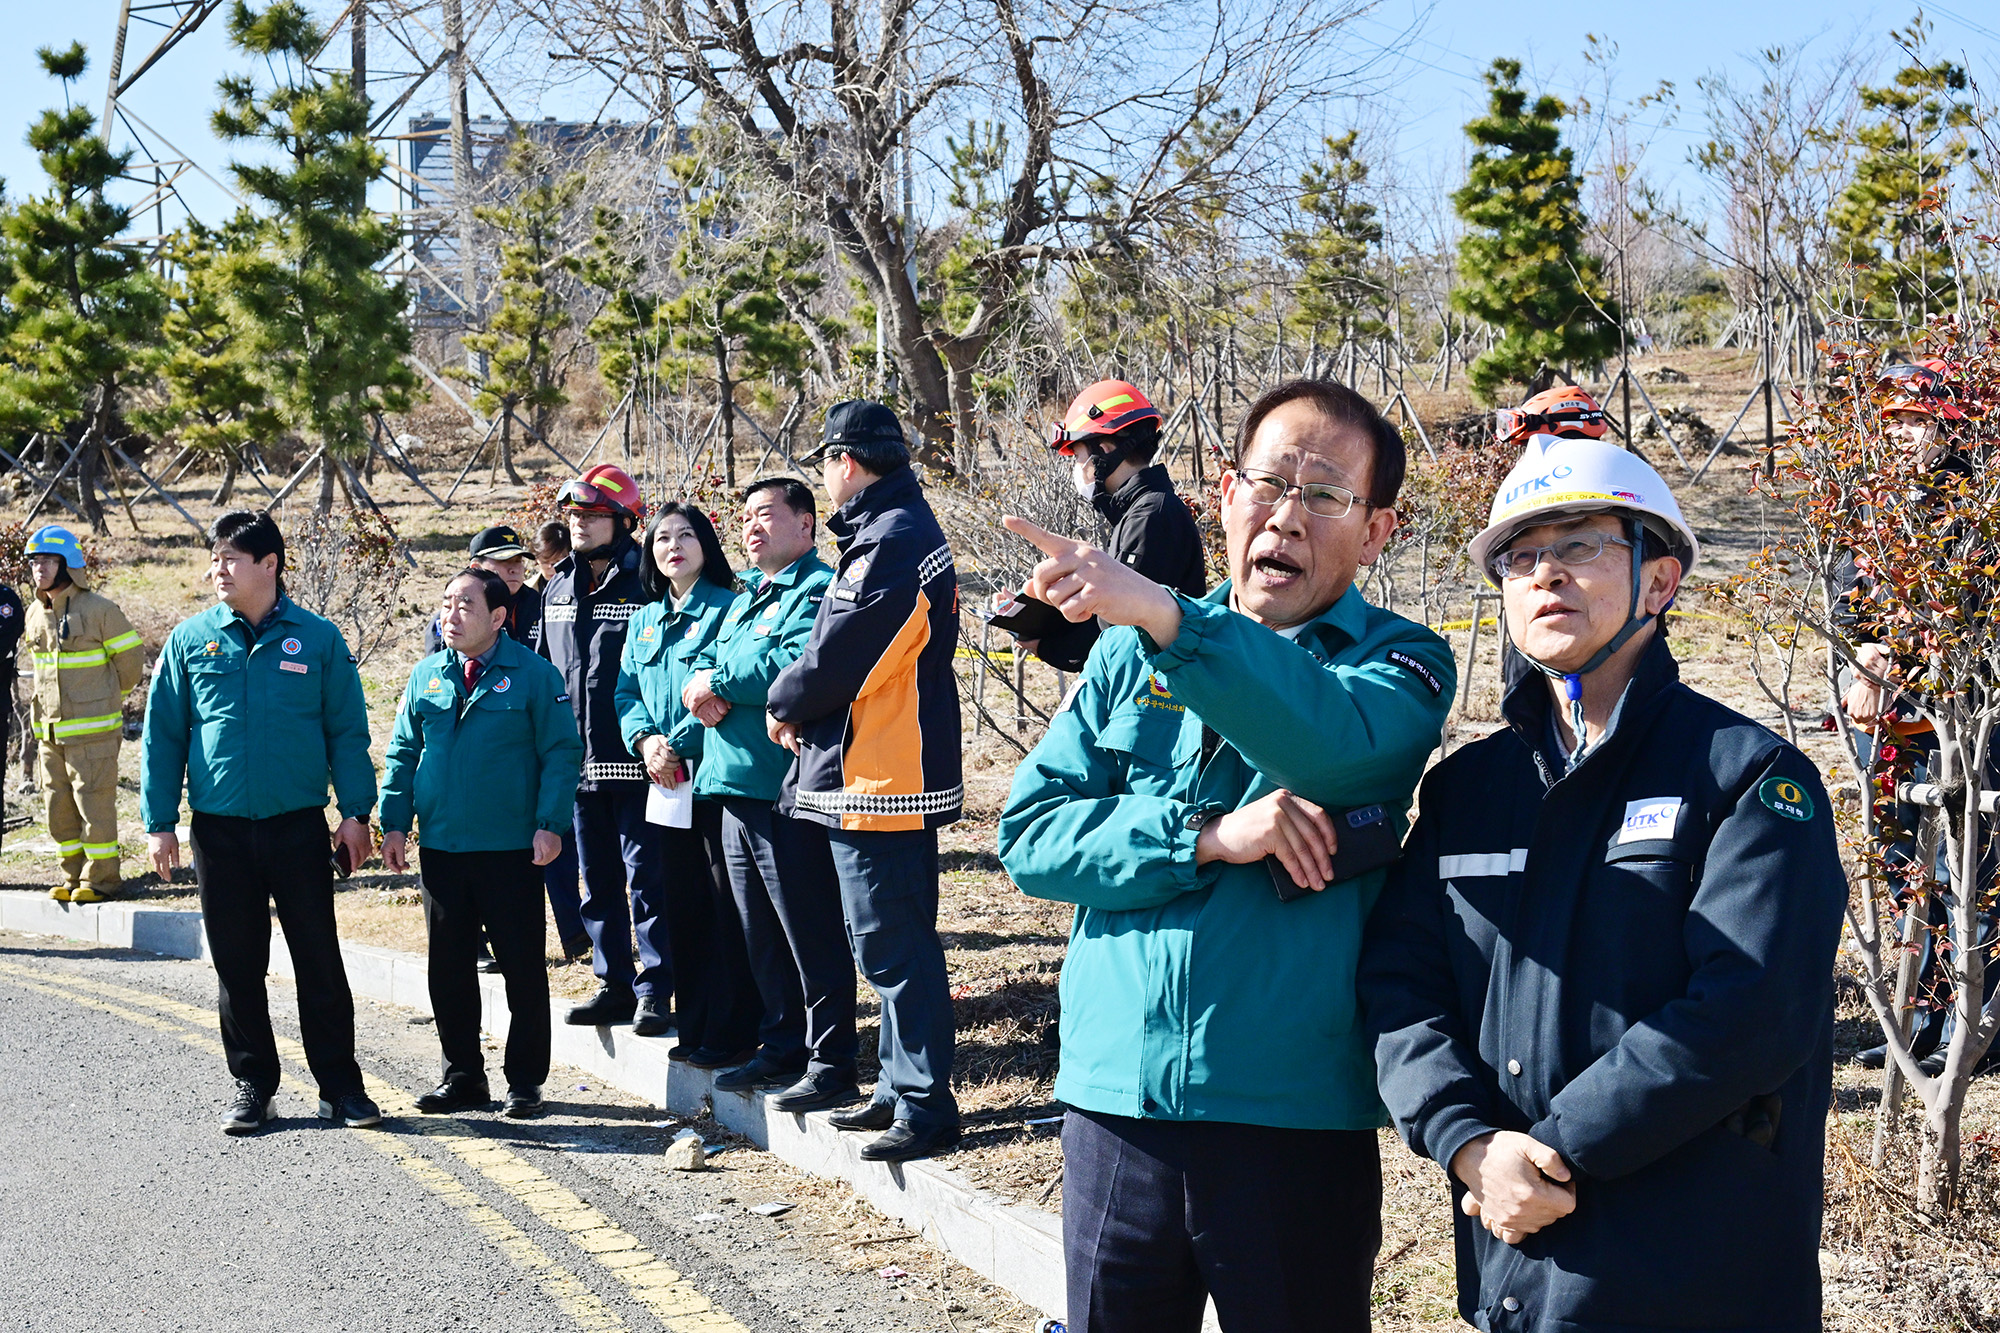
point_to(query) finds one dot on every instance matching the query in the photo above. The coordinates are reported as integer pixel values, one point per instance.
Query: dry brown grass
(1886, 1268)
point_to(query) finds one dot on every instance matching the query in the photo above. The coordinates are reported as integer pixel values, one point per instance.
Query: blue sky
(1431, 84)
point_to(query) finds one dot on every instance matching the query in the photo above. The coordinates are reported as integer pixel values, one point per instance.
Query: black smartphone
(1365, 839)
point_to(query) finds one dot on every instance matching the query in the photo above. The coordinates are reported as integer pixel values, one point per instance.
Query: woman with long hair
(682, 566)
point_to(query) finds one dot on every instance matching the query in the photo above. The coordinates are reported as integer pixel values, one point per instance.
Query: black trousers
(501, 891)
(889, 894)
(244, 867)
(715, 997)
(788, 897)
(1280, 1226)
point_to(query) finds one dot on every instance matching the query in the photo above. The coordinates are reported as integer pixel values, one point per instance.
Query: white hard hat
(1559, 478)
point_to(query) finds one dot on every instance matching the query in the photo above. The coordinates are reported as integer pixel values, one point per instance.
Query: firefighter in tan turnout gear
(87, 656)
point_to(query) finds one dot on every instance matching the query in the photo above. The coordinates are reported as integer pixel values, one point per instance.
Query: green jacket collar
(222, 615)
(702, 598)
(789, 576)
(1347, 617)
(506, 655)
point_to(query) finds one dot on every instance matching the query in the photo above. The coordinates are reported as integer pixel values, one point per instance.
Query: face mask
(1084, 480)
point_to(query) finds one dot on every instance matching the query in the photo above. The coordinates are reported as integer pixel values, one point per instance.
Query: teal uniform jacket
(1192, 992)
(256, 722)
(762, 633)
(661, 648)
(485, 772)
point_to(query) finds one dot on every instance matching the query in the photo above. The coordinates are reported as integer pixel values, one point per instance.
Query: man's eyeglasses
(1579, 548)
(1320, 498)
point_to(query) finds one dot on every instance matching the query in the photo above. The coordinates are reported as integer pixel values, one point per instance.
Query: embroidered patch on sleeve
(1786, 797)
(1417, 669)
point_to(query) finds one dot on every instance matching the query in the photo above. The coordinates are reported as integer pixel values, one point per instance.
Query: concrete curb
(159, 930)
(1016, 1247)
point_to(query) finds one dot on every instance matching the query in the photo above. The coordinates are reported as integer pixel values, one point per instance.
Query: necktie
(471, 673)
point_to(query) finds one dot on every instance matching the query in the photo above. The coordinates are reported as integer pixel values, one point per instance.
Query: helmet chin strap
(1634, 622)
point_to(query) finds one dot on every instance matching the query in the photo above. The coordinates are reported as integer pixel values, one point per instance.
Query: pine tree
(732, 314)
(1889, 220)
(323, 328)
(1337, 289)
(211, 396)
(525, 368)
(86, 310)
(625, 331)
(1522, 265)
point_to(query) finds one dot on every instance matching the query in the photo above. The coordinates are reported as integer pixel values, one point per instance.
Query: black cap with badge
(866, 430)
(499, 543)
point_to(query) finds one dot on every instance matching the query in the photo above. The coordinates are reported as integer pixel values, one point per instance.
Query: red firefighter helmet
(1919, 386)
(604, 489)
(1565, 411)
(1105, 408)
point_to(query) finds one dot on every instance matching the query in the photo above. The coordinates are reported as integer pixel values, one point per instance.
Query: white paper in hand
(672, 806)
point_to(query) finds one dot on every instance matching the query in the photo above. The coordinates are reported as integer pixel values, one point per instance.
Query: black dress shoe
(648, 1021)
(488, 964)
(755, 1077)
(610, 1005)
(456, 1094)
(576, 948)
(907, 1140)
(874, 1116)
(523, 1103)
(816, 1092)
(707, 1057)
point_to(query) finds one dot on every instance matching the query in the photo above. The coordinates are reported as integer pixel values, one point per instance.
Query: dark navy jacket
(583, 634)
(1634, 964)
(873, 693)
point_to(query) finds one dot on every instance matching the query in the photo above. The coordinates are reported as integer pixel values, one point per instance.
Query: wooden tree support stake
(297, 477)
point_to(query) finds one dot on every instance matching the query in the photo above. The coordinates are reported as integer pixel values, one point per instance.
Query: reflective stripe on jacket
(256, 721)
(661, 647)
(762, 633)
(873, 692)
(1632, 962)
(583, 634)
(482, 772)
(86, 657)
(1192, 992)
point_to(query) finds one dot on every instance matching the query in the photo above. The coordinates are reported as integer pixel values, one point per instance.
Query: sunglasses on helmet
(583, 495)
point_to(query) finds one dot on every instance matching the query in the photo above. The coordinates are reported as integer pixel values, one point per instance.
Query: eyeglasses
(1579, 548)
(1320, 498)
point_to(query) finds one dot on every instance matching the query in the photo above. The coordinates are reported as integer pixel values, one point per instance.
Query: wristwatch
(1202, 816)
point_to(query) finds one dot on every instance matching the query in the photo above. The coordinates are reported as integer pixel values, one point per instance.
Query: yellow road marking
(584, 1307)
(678, 1303)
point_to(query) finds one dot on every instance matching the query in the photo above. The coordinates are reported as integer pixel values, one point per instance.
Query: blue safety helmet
(54, 539)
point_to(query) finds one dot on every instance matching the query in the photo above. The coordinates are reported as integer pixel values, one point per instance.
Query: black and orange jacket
(873, 693)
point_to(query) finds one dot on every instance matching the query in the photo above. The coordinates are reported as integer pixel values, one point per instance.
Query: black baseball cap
(865, 429)
(501, 543)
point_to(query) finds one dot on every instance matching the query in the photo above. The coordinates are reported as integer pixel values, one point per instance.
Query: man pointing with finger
(1191, 800)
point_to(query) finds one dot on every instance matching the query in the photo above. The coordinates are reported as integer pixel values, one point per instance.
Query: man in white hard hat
(1600, 979)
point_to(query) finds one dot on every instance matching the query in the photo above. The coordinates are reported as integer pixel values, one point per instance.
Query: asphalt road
(123, 1206)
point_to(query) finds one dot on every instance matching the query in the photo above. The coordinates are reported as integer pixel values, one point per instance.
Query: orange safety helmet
(604, 489)
(1565, 411)
(1105, 408)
